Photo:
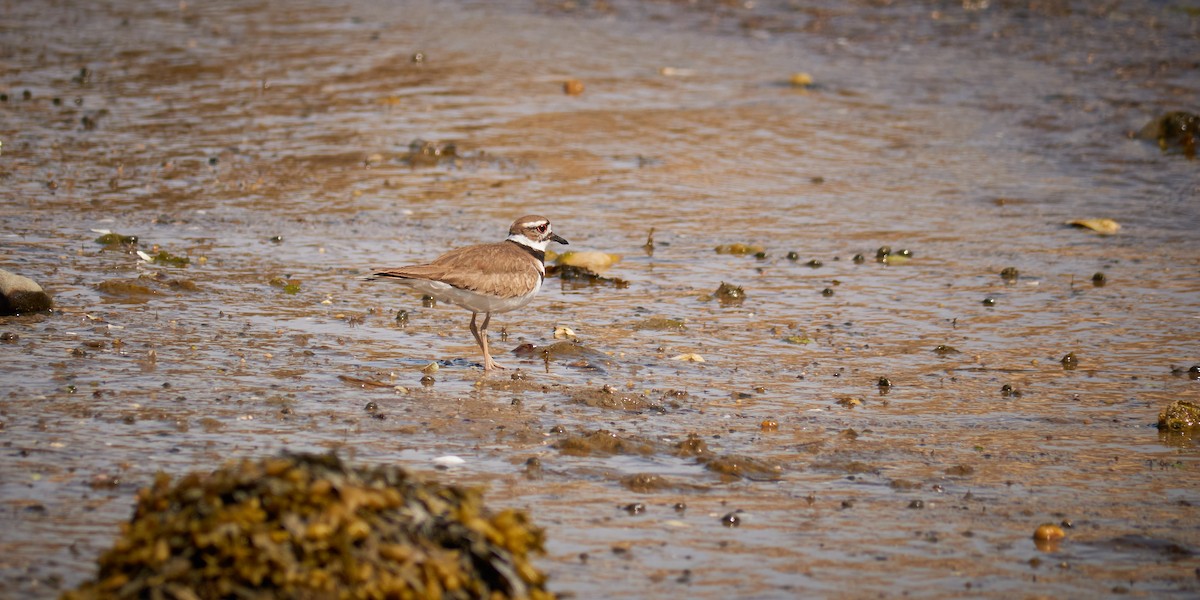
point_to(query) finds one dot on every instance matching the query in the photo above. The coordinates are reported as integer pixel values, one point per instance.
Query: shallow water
(270, 145)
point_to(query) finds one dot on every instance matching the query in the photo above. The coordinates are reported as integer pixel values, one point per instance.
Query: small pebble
(1049, 532)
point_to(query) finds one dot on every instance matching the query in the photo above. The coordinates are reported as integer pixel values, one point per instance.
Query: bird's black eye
(542, 228)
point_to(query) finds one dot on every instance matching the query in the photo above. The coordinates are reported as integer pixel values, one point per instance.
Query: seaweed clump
(577, 277)
(423, 153)
(1180, 415)
(306, 526)
(729, 294)
(1174, 132)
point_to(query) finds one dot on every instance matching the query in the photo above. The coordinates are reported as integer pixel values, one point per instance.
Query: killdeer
(488, 278)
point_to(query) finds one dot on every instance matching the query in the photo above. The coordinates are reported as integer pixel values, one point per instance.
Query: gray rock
(20, 295)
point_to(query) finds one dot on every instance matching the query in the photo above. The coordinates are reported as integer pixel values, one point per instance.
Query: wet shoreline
(271, 148)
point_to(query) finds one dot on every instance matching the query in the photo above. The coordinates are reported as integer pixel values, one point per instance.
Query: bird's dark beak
(554, 237)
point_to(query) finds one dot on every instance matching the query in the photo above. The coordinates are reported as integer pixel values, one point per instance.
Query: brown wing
(499, 269)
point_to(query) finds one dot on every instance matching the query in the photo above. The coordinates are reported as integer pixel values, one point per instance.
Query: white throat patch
(539, 245)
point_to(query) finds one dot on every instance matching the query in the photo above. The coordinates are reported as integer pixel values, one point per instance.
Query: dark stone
(21, 295)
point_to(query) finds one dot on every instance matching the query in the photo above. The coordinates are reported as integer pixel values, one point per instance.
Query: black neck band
(540, 255)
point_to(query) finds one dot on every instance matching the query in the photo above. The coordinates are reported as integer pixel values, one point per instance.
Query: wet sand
(270, 146)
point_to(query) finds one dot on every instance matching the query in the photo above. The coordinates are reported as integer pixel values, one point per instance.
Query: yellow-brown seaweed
(307, 526)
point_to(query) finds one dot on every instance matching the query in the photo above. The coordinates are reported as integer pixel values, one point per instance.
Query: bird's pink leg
(488, 363)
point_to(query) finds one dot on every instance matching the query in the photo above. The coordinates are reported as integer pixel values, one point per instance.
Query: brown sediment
(264, 157)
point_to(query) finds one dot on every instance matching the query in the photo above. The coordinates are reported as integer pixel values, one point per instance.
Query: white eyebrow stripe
(532, 224)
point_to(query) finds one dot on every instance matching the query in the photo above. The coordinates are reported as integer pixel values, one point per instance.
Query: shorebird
(487, 278)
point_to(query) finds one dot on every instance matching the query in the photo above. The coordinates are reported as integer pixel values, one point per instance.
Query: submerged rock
(143, 288)
(645, 483)
(570, 352)
(307, 526)
(21, 295)
(739, 249)
(602, 442)
(609, 397)
(423, 153)
(887, 256)
(660, 324)
(733, 466)
(800, 340)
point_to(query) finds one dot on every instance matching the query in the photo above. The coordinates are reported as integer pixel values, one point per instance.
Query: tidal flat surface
(272, 147)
